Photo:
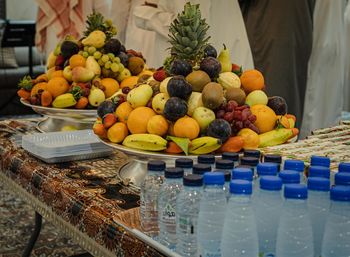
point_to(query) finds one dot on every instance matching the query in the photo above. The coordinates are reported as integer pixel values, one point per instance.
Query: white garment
(324, 91)
(347, 58)
(119, 14)
(223, 16)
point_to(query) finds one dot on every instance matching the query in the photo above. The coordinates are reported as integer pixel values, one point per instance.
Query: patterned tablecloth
(85, 194)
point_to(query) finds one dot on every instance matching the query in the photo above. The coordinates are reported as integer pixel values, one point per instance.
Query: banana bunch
(204, 145)
(275, 137)
(147, 142)
(64, 101)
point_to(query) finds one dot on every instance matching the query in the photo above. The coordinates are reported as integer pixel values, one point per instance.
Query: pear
(96, 38)
(123, 75)
(96, 96)
(91, 64)
(67, 73)
(224, 59)
(194, 102)
(51, 60)
(140, 95)
(81, 74)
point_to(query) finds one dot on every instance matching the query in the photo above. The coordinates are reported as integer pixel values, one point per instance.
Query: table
(83, 199)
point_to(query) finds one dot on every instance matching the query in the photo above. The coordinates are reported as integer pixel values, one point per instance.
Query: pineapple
(96, 21)
(188, 36)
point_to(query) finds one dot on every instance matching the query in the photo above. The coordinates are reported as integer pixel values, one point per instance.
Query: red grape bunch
(238, 116)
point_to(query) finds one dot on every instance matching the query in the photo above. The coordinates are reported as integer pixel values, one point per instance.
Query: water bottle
(207, 159)
(149, 197)
(297, 166)
(242, 173)
(187, 209)
(250, 161)
(318, 205)
(275, 158)
(320, 161)
(211, 215)
(336, 240)
(252, 153)
(268, 206)
(227, 174)
(245, 167)
(294, 233)
(224, 165)
(319, 171)
(200, 169)
(344, 167)
(342, 178)
(239, 237)
(264, 169)
(289, 176)
(167, 206)
(231, 156)
(185, 163)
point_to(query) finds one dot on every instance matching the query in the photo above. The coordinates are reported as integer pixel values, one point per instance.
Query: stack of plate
(65, 146)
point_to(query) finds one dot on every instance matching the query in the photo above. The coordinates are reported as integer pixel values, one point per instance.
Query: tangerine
(37, 87)
(57, 86)
(252, 80)
(129, 82)
(123, 111)
(77, 60)
(110, 86)
(157, 125)
(117, 132)
(250, 138)
(186, 127)
(265, 117)
(138, 119)
(57, 73)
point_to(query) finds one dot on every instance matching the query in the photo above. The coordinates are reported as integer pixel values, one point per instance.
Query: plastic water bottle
(250, 161)
(318, 205)
(252, 153)
(320, 161)
(200, 169)
(289, 177)
(167, 206)
(242, 173)
(268, 207)
(207, 159)
(319, 171)
(297, 166)
(245, 167)
(275, 158)
(336, 240)
(227, 175)
(342, 178)
(344, 167)
(187, 210)
(239, 237)
(224, 165)
(231, 156)
(294, 233)
(185, 163)
(149, 197)
(264, 169)
(211, 215)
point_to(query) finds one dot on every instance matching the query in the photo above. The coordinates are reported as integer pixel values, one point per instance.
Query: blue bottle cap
(200, 168)
(319, 171)
(294, 165)
(240, 186)
(245, 167)
(206, 158)
(342, 178)
(174, 173)
(267, 168)
(184, 163)
(193, 180)
(251, 153)
(320, 161)
(242, 173)
(251, 161)
(318, 184)
(224, 164)
(340, 193)
(271, 183)
(230, 156)
(289, 176)
(273, 158)
(214, 178)
(295, 191)
(344, 167)
(156, 165)
(227, 174)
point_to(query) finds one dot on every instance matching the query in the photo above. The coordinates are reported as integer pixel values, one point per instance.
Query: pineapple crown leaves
(96, 21)
(76, 92)
(26, 83)
(188, 34)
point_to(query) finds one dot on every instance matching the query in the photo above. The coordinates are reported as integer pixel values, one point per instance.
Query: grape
(86, 48)
(97, 55)
(220, 114)
(111, 56)
(149, 104)
(81, 52)
(245, 114)
(105, 58)
(100, 62)
(252, 118)
(121, 67)
(126, 90)
(237, 115)
(231, 105)
(86, 91)
(108, 64)
(115, 67)
(91, 50)
(116, 59)
(246, 123)
(254, 128)
(239, 125)
(228, 117)
(85, 54)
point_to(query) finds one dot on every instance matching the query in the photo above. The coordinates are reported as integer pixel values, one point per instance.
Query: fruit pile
(83, 73)
(197, 102)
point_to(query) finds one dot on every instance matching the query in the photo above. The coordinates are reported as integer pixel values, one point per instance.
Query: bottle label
(169, 214)
(187, 225)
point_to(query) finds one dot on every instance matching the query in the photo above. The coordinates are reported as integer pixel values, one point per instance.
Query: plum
(209, 50)
(219, 128)
(180, 67)
(105, 107)
(175, 108)
(211, 66)
(278, 104)
(179, 87)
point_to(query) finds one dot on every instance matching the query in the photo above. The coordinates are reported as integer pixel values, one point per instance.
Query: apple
(158, 102)
(67, 73)
(256, 97)
(204, 116)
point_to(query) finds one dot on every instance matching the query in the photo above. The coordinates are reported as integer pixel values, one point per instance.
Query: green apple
(256, 97)
(204, 116)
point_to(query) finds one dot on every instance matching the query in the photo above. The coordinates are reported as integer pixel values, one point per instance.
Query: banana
(64, 101)
(203, 145)
(275, 137)
(147, 142)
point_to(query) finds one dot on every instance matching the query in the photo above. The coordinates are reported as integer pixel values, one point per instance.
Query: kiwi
(212, 95)
(135, 65)
(235, 94)
(198, 79)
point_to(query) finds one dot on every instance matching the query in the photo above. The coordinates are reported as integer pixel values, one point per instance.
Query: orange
(129, 82)
(110, 86)
(37, 87)
(77, 60)
(186, 127)
(250, 138)
(123, 111)
(117, 132)
(252, 80)
(265, 117)
(57, 86)
(138, 119)
(57, 73)
(157, 125)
